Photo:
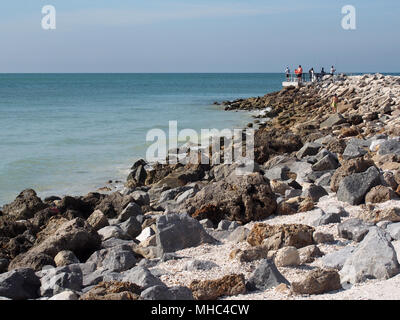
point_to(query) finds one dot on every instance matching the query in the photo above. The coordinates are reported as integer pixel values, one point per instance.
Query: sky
(198, 36)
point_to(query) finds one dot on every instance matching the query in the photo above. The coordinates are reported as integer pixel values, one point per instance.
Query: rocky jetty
(320, 213)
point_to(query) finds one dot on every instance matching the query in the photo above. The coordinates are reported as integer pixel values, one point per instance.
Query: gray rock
(302, 170)
(141, 277)
(353, 188)
(360, 142)
(394, 230)
(159, 292)
(333, 121)
(84, 268)
(354, 229)
(309, 149)
(172, 193)
(337, 258)
(119, 260)
(131, 227)
(165, 293)
(112, 232)
(352, 151)
(178, 231)
(324, 180)
(326, 218)
(328, 162)
(277, 173)
(94, 278)
(19, 284)
(131, 210)
(219, 234)
(314, 192)
(196, 265)
(374, 258)
(58, 280)
(186, 195)
(140, 197)
(391, 146)
(265, 276)
(239, 234)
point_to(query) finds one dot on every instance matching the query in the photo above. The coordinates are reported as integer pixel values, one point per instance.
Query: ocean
(70, 133)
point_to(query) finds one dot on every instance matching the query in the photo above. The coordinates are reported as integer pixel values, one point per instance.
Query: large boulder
(374, 258)
(353, 151)
(75, 235)
(118, 258)
(55, 281)
(19, 284)
(391, 146)
(278, 236)
(236, 198)
(349, 167)
(179, 231)
(353, 188)
(337, 258)
(25, 205)
(266, 276)
(230, 285)
(318, 281)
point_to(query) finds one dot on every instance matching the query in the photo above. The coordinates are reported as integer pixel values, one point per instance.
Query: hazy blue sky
(198, 36)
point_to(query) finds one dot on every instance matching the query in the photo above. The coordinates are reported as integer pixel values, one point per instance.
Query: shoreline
(320, 178)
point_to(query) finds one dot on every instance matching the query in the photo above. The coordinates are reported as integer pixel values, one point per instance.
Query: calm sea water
(71, 133)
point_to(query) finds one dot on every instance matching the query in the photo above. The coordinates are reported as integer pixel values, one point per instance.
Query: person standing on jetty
(335, 100)
(311, 73)
(333, 70)
(299, 72)
(287, 71)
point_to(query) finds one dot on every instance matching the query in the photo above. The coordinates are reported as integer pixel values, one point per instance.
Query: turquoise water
(71, 133)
